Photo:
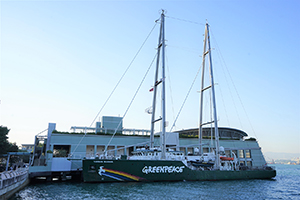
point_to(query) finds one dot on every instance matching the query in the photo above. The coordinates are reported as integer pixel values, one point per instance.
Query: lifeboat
(226, 158)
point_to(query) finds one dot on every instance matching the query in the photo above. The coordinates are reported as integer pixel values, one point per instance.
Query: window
(249, 164)
(61, 150)
(241, 154)
(248, 153)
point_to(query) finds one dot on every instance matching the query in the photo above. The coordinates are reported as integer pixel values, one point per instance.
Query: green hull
(97, 170)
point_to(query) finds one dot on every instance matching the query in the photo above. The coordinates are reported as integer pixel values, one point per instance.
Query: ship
(164, 163)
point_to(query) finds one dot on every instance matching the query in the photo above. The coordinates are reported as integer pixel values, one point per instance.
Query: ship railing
(81, 156)
(103, 156)
(124, 131)
(77, 156)
(111, 153)
(8, 178)
(266, 167)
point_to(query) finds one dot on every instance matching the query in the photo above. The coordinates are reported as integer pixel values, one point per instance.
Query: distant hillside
(283, 156)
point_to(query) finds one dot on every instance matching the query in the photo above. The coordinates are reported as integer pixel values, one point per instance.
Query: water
(286, 185)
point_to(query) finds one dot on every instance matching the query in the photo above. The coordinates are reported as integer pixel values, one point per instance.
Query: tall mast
(156, 83)
(201, 94)
(163, 95)
(160, 50)
(207, 51)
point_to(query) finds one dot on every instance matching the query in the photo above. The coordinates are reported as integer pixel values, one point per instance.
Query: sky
(60, 60)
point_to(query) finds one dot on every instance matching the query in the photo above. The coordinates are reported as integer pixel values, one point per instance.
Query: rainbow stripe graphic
(118, 175)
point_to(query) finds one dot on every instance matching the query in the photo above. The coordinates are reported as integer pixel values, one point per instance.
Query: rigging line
(186, 98)
(223, 102)
(185, 20)
(236, 90)
(170, 88)
(223, 63)
(105, 151)
(118, 82)
(79, 142)
(220, 89)
(42, 131)
(124, 73)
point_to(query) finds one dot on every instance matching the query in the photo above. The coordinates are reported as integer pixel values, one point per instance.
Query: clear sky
(61, 59)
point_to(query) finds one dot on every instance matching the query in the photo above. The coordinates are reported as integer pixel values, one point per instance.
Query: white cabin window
(248, 153)
(241, 154)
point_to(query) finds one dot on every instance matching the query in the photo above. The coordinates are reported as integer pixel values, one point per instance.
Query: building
(27, 147)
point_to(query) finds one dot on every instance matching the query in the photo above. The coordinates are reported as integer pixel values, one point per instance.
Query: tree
(6, 146)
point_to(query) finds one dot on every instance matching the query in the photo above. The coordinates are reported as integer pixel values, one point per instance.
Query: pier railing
(8, 178)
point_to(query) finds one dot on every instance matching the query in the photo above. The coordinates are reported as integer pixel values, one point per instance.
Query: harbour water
(286, 185)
